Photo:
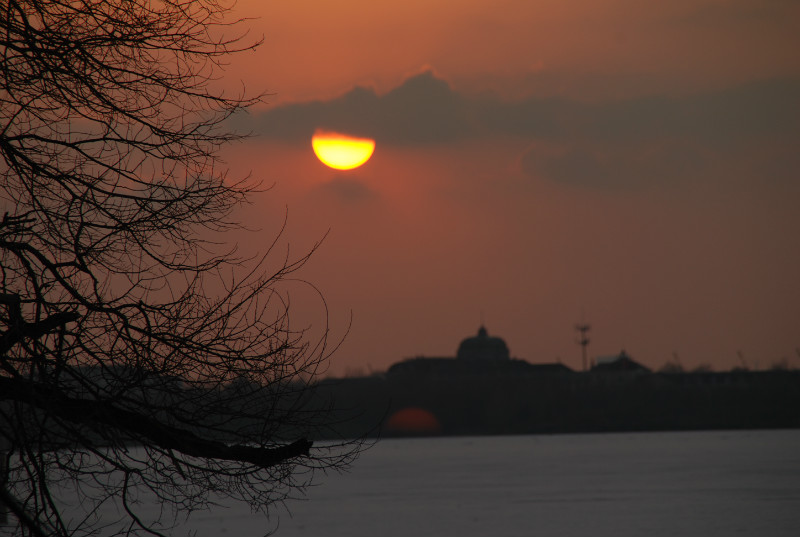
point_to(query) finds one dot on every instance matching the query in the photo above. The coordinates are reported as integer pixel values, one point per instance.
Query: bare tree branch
(138, 351)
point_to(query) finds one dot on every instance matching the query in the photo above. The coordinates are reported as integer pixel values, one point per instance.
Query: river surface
(703, 484)
(687, 484)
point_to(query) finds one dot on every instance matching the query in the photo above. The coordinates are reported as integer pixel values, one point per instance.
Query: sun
(341, 152)
(412, 421)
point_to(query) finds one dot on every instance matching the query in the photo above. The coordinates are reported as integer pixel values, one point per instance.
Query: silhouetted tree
(122, 321)
(671, 367)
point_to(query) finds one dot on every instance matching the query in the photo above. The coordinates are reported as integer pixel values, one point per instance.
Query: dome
(482, 348)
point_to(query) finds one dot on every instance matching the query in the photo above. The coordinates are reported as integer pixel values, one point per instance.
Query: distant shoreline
(560, 402)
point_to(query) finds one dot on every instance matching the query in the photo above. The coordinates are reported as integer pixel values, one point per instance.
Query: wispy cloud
(637, 141)
(425, 109)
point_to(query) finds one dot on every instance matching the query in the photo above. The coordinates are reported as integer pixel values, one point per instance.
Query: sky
(631, 165)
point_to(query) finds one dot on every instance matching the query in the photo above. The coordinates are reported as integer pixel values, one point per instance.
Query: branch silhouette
(139, 349)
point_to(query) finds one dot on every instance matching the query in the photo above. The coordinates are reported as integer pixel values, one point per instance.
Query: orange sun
(340, 151)
(413, 421)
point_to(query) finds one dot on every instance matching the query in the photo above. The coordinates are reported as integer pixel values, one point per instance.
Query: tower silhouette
(583, 341)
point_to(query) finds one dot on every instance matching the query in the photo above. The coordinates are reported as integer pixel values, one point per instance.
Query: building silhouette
(482, 389)
(483, 348)
(481, 354)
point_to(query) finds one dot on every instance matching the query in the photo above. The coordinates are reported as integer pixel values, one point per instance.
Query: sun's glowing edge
(340, 151)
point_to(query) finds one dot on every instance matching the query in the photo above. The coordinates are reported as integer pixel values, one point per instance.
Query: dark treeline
(489, 402)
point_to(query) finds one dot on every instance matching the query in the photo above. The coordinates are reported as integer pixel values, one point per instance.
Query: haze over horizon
(536, 162)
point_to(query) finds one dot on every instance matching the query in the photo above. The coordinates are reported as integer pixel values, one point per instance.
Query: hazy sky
(632, 162)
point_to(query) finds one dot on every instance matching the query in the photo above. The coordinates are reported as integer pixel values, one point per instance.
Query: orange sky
(318, 48)
(657, 193)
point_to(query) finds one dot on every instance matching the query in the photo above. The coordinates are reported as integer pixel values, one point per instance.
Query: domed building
(483, 348)
(480, 354)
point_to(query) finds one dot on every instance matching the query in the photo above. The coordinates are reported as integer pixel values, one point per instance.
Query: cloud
(756, 110)
(426, 110)
(349, 190)
(615, 144)
(616, 167)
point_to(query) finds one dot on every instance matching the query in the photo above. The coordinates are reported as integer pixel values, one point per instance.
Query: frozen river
(688, 484)
(702, 484)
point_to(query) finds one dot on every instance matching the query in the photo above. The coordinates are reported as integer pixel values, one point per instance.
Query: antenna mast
(583, 341)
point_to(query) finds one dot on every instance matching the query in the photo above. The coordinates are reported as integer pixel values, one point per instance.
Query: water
(645, 484)
(688, 484)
